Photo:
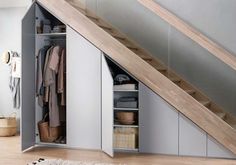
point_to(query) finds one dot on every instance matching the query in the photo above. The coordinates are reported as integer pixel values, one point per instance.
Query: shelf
(51, 144)
(126, 126)
(126, 109)
(135, 90)
(52, 34)
(126, 150)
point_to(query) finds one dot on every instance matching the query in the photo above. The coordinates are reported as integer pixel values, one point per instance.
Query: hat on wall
(6, 57)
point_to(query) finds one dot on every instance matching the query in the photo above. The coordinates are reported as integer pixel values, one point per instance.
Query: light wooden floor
(10, 154)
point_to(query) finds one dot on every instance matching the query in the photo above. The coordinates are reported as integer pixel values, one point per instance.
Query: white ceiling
(14, 3)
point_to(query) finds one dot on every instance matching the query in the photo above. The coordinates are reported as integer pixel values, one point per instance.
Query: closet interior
(50, 79)
(125, 109)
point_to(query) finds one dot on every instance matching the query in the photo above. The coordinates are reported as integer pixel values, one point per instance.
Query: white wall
(214, 18)
(14, 3)
(10, 32)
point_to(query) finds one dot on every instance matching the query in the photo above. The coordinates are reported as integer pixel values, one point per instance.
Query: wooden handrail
(215, 49)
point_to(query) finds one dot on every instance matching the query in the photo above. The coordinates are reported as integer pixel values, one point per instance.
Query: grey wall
(215, 18)
(10, 32)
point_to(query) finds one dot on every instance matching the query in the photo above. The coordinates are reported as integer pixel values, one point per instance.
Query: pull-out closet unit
(100, 111)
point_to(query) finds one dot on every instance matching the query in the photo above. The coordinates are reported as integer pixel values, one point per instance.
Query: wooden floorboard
(10, 154)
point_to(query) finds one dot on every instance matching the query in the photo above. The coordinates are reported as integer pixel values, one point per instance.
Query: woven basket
(124, 140)
(8, 126)
(47, 133)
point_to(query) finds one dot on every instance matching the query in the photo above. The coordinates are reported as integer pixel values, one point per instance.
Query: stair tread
(161, 68)
(102, 25)
(233, 125)
(128, 45)
(145, 58)
(174, 79)
(205, 103)
(116, 35)
(221, 115)
(92, 17)
(132, 47)
(190, 91)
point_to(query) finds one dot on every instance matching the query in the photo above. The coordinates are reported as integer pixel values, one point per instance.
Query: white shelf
(51, 34)
(126, 109)
(126, 126)
(126, 149)
(135, 90)
(51, 144)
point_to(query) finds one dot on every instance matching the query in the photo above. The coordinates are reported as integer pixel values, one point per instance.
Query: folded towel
(131, 104)
(125, 87)
(127, 99)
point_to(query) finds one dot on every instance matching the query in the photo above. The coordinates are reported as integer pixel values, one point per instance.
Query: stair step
(132, 47)
(92, 17)
(175, 80)
(146, 58)
(221, 115)
(233, 125)
(128, 45)
(161, 69)
(117, 36)
(190, 91)
(205, 103)
(102, 25)
(77, 6)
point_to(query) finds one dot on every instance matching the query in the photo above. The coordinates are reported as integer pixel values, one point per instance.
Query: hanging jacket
(14, 85)
(61, 79)
(41, 57)
(50, 81)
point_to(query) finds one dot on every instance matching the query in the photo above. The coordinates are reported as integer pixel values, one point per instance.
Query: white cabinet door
(107, 109)
(83, 92)
(192, 139)
(28, 80)
(158, 123)
(217, 150)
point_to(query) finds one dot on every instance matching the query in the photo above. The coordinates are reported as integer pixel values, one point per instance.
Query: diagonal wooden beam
(215, 49)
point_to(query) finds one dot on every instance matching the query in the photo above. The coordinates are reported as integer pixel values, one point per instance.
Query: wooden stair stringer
(144, 72)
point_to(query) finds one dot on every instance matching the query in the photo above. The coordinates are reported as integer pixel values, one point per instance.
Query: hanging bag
(8, 125)
(46, 133)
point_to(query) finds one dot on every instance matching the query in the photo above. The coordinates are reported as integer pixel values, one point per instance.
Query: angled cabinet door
(83, 92)
(28, 80)
(158, 124)
(107, 109)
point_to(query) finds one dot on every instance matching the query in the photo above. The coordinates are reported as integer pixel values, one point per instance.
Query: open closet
(44, 65)
(50, 53)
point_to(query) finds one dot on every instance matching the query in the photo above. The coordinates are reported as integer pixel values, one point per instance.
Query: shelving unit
(125, 135)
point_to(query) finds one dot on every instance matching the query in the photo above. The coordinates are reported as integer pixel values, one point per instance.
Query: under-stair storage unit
(102, 112)
(43, 119)
(123, 107)
(80, 116)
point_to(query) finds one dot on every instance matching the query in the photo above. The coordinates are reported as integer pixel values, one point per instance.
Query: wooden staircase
(171, 75)
(186, 98)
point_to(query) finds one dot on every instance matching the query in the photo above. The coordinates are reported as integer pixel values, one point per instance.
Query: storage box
(125, 140)
(8, 126)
